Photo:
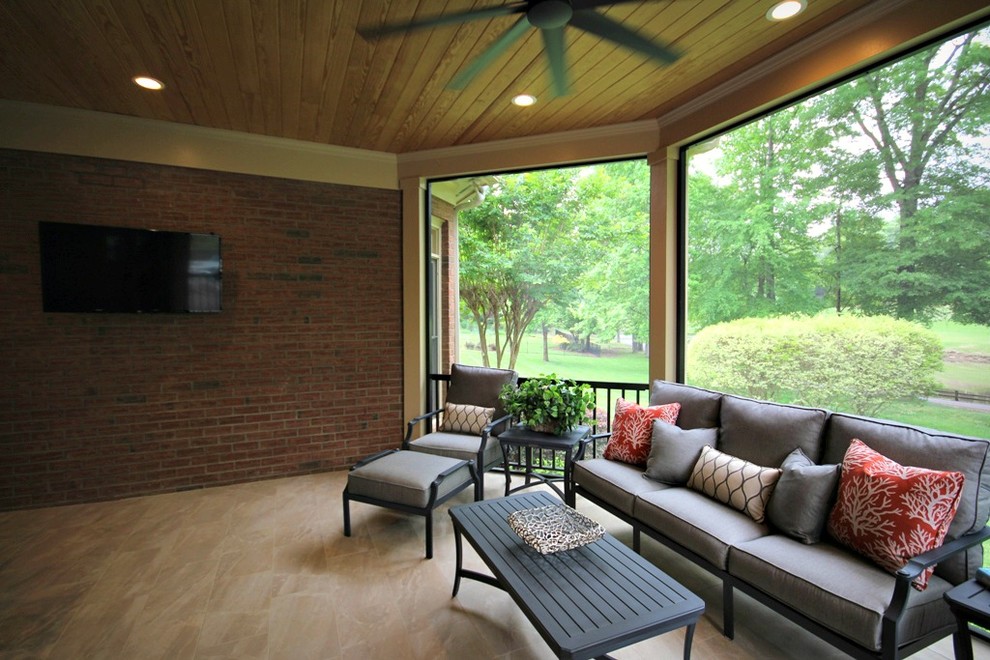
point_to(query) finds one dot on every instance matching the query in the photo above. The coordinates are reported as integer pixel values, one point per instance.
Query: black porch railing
(545, 460)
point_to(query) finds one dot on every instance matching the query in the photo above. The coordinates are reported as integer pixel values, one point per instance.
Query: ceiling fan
(550, 17)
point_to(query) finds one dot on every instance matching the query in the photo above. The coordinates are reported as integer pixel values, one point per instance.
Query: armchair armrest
(416, 420)
(914, 568)
(504, 419)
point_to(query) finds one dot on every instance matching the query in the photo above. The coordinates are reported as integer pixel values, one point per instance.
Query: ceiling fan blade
(578, 5)
(373, 31)
(553, 41)
(595, 23)
(508, 37)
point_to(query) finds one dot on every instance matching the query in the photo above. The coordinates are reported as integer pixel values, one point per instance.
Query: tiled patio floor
(263, 570)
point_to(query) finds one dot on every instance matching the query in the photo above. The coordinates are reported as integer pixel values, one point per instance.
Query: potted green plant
(548, 404)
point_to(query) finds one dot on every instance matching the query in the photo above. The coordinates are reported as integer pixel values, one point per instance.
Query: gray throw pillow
(801, 501)
(674, 452)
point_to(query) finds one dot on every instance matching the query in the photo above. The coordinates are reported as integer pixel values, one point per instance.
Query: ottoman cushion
(405, 477)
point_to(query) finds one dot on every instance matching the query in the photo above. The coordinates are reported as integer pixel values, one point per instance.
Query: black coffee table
(584, 602)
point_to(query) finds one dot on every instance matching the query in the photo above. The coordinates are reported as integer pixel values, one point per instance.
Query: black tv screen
(86, 268)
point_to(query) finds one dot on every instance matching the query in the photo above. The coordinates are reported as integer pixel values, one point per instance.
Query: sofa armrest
(583, 444)
(917, 565)
(910, 572)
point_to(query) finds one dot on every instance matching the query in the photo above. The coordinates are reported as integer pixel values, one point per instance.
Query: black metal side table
(524, 439)
(970, 603)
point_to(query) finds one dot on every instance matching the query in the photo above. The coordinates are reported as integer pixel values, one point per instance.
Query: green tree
(516, 255)
(914, 115)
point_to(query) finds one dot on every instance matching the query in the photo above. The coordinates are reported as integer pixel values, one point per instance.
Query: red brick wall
(301, 372)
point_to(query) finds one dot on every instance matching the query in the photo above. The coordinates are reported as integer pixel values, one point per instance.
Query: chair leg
(479, 489)
(347, 514)
(429, 534)
(728, 613)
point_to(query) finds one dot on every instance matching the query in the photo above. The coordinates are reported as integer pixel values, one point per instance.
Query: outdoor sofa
(790, 561)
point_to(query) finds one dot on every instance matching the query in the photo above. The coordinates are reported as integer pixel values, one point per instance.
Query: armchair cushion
(479, 386)
(458, 445)
(465, 418)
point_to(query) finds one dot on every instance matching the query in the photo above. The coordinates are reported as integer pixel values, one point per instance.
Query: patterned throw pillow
(890, 512)
(740, 484)
(464, 418)
(632, 429)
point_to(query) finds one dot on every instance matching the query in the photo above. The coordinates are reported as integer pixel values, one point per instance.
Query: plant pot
(546, 427)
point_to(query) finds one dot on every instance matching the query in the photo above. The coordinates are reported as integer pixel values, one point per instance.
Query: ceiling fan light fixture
(781, 11)
(523, 100)
(148, 82)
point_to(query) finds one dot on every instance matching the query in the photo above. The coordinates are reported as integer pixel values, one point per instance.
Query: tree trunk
(546, 342)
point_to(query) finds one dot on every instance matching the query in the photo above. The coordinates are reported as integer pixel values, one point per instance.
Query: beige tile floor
(263, 570)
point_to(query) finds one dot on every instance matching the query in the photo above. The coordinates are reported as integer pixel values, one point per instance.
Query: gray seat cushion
(405, 477)
(458, 445)
(765, 433)
(836, 588)
(615, 482)
(699, 408)
(934, 450)
(698, 523)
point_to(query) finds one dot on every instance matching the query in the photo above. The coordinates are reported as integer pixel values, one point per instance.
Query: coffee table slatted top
(586, 601)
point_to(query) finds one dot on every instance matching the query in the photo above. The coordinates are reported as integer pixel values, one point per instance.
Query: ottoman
(409, 481)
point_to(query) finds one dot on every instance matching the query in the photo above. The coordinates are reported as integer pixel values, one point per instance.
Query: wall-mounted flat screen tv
(86, 268)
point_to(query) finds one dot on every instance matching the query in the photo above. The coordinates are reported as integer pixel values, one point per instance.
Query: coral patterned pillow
(632, 430)
(890, 512)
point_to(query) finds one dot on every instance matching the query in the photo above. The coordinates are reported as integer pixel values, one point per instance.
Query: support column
(663, 263)
(414, 225)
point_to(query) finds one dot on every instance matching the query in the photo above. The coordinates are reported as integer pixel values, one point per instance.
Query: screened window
(838, 250)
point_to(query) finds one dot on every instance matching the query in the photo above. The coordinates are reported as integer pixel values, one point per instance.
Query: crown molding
(603, 142)
(36, 127)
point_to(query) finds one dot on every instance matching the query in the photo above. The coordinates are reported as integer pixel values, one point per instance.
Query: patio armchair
(466, 425)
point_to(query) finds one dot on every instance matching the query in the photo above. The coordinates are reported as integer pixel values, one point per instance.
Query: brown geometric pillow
(464, 418)
(740, 484)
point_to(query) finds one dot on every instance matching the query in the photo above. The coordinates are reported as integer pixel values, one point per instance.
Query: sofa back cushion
(765, 433)
(935, 450)
(699, 408)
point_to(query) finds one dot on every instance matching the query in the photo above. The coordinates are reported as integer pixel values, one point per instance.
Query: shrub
(851, 363)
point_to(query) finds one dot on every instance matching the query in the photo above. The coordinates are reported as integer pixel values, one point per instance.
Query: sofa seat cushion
(700, 524)
(836, 588)
(458, 445)
(614, 482)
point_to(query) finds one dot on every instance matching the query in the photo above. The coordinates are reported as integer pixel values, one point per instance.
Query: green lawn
(965, 338)
(619, 364)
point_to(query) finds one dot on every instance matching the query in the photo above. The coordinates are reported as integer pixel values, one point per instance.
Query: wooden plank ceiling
(299, 69)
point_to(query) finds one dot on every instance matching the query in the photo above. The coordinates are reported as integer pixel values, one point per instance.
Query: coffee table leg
(688, 636)
(568, 489)
(460, 556)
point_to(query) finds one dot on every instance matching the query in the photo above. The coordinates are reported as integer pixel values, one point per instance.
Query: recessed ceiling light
(524, 100)
(149, 83)
(781, 11)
